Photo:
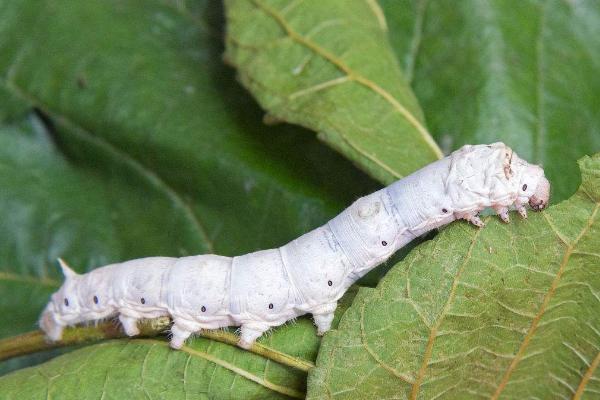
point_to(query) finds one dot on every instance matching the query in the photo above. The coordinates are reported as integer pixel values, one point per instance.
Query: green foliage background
(123, 134)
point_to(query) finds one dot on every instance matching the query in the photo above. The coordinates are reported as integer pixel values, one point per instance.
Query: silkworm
(260, 290)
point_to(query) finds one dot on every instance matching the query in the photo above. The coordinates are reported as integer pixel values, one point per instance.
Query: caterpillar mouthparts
(539, 200)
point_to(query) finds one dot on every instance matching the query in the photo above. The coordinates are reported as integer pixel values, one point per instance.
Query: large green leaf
(148, 368)
(142, 368)
(327, 65)
(510, 311)
(523, 72)
(142, 144)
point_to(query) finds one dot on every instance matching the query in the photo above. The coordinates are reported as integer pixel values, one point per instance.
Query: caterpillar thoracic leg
(264, 289)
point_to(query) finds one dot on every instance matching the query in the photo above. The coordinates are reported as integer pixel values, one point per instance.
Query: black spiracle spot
(203, 309)
(270, 306)
(329, 283)
(143, 300)
(524, 187)
(384, 243)
(66, 302)
(444, 210)
(95, 299)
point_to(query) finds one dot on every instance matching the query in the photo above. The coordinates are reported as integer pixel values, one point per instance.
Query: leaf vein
(233, 368)
(586, 377)
(320, 86)
(379, 15)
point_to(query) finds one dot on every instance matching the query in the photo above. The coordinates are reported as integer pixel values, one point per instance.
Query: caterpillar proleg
(266, 288)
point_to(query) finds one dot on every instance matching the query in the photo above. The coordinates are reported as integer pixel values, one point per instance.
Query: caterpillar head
(534, 188)
(63, 308)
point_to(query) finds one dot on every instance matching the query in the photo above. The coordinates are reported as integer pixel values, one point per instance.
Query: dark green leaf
(525, 73)
(141, 144)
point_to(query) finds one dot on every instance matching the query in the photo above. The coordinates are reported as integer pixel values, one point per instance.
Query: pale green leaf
(507, 311)
(327, 65)
(148, 368)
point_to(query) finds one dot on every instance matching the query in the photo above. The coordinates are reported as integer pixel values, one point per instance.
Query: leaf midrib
(233, 368)
(586, 377)
(12, 277)
(433, 331)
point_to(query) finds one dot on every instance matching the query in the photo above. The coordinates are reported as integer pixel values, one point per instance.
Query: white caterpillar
(308, 275)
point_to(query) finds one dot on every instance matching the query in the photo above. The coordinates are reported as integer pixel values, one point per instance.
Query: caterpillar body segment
(263, 289)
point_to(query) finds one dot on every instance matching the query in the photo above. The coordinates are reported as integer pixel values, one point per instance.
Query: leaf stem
(35, 341)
